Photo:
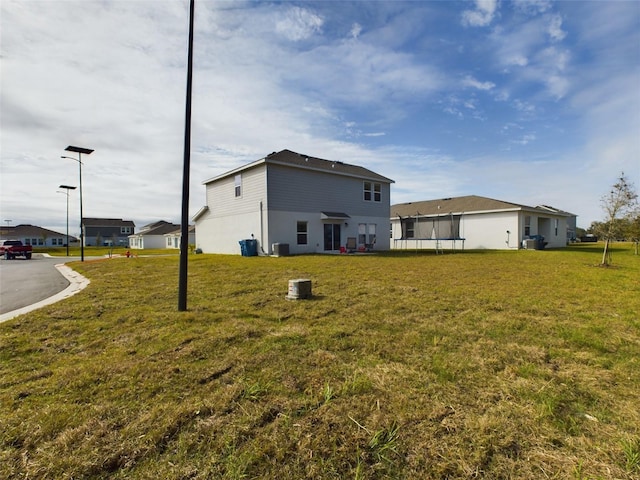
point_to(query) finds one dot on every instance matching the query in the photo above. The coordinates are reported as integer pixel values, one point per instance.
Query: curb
(76, 283)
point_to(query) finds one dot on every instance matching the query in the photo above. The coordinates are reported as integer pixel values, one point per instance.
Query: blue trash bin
(249, 247)
(252, 248)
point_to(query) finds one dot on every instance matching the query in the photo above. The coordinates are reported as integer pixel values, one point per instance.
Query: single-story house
(173, 238)
(107, 231)
(152, 235)
(474, 222)
(294, 203)
(35, 236)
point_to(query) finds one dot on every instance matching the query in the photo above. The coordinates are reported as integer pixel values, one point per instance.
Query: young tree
(634, 231)
(619, 202)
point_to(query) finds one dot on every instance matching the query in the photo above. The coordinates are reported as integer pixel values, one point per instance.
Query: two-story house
(289, 199)
(107, 231)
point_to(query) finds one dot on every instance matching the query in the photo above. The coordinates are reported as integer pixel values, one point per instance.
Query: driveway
(29, 284)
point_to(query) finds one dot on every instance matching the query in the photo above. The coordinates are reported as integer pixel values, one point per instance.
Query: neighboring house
(474, 222)
(35, 236)
(172, 239)
(152, 235)
(291, 200)
(107, 231)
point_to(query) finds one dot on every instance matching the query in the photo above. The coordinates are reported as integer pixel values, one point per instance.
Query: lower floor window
(301, 231)
(367, 234)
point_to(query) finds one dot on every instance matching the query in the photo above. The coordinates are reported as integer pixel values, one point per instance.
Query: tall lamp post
(66, 192)
(79, 151)
(184, 227)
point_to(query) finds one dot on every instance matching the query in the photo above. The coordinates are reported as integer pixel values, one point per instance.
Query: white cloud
(555, 28)
(469, 81)
(516, 59)
(482, 15)
(356, 29)
(532, 7)
(525, 139)
(299, 24)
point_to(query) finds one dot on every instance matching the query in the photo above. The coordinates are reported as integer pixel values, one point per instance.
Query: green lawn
(496, 365)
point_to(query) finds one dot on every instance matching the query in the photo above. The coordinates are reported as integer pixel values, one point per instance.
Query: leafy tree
(620, 202)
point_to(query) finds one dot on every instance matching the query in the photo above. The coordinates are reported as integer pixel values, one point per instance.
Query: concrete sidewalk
(76, 283)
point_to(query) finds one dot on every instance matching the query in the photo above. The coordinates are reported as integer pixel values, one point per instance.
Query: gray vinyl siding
(295, 189)
(221, 198)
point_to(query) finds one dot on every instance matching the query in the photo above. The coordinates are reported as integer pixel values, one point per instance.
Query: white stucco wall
(147, 241)
(222, 233)
(489, 231)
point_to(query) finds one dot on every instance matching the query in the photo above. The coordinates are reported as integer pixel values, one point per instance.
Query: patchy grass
(511, 365)
(117, 251)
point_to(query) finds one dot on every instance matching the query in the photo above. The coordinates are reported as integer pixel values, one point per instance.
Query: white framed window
(238, 185)
(372, 192)
(556, 222)
(372, 234)
(125, 230)
(302, 233)
(377, 192)
(527, 225)
(411, 229)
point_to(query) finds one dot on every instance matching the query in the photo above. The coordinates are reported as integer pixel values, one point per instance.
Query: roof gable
(297, 160)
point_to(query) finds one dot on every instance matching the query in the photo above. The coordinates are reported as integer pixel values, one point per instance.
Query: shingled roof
(299, 160)
(459, 205)
(157, 228)
(21, 231)
(107, 222)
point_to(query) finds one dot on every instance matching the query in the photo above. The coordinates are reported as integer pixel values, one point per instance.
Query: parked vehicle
(11, 249)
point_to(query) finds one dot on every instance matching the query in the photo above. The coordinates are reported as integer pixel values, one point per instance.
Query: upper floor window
(125, 230)
(372, 192)
(238, 185)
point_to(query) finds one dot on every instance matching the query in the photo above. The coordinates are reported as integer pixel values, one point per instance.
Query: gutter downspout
(261, 228)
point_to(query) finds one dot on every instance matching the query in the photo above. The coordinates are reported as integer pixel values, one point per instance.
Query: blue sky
(533, 102)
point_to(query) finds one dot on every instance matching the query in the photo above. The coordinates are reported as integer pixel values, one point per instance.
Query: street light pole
(80, 151)
(184, 240)
(67, 188)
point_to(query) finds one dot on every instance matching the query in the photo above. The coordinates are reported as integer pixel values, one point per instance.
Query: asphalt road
(24, 282)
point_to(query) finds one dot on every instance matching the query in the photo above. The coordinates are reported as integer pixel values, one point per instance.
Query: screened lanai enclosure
(431, 232)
